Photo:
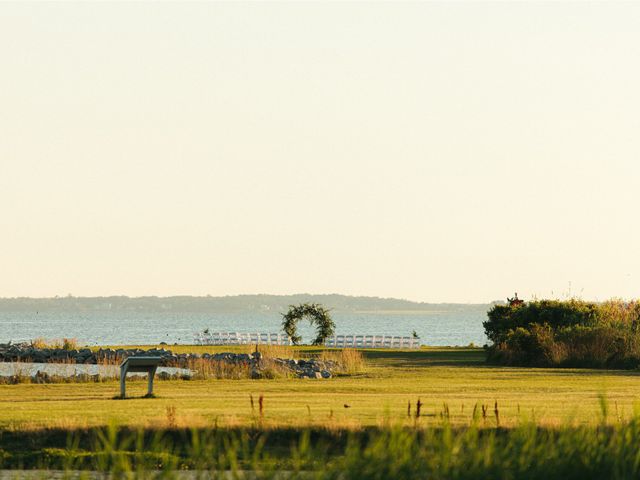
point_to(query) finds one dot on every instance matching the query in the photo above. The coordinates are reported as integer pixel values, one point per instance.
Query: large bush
(549, 333)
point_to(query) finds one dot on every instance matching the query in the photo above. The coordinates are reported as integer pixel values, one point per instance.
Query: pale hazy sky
(436, 152)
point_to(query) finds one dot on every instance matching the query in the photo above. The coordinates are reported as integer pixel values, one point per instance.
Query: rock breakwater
(259, 367)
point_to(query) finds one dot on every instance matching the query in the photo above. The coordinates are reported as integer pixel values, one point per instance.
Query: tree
(316, 313)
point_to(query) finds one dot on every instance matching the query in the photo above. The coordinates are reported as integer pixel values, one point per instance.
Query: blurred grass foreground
(526, 451)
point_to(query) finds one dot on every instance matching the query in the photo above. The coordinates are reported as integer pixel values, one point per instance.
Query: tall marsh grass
(59, 343)
(207, 369)
(204, 369)
(349, 361)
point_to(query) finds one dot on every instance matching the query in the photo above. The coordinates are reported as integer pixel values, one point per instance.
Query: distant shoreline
(232, 304)
(402, 312)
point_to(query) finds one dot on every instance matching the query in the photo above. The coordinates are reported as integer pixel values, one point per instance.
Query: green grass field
(455, 377)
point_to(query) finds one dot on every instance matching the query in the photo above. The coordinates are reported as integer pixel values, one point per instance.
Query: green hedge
(572, 333)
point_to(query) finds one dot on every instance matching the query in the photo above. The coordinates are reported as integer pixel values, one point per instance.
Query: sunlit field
(430, 413)
(451, 380)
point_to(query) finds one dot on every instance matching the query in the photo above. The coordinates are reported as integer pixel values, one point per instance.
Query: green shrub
(573, 333)
(556, 313)
(534, 347)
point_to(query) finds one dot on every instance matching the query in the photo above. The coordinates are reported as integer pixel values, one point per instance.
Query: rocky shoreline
(303, 368)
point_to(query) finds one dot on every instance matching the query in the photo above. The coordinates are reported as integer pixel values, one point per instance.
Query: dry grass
(109, 362)
(221, 370)
(349, 360)
(269, 368)
(39, 343)
(274, 351)
(61, 343)
(204, 369)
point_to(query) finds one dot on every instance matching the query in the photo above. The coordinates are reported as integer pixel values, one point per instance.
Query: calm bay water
(129, 328)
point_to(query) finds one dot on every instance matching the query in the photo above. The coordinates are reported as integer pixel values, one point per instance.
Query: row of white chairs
(372, 341)
(336, 341)
(237, 338)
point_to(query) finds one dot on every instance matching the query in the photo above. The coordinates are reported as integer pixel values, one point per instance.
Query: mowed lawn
(455, 377)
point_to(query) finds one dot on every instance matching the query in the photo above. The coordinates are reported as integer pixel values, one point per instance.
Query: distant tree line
(276, 304)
